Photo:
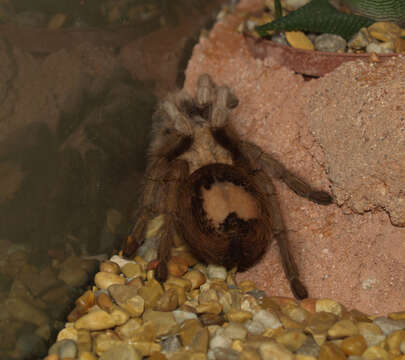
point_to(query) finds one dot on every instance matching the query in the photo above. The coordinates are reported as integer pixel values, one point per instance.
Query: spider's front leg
(150, 204)
(175, 178)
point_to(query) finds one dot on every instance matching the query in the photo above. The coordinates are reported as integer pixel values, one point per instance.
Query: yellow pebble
(298, 40)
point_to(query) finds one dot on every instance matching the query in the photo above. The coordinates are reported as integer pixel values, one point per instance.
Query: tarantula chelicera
(214, 189)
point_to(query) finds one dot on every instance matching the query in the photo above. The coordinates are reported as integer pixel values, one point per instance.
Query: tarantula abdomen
(225, 219)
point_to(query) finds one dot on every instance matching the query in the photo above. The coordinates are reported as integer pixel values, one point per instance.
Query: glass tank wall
(79, 80)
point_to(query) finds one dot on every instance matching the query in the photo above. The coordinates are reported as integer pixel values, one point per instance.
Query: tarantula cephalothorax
(214, 189)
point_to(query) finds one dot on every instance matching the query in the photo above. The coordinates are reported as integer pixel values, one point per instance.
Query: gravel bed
(200, 312)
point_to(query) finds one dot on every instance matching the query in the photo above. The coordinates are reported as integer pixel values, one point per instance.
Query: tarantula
(215, 190)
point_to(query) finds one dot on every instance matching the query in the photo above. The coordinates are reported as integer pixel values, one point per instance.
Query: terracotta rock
(356, 259)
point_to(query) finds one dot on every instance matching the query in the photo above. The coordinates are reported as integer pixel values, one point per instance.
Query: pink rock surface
(358, 260)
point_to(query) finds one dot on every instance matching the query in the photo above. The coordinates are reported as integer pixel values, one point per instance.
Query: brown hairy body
(214, 189)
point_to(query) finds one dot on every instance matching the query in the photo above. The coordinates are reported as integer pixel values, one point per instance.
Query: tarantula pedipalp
(214, 189)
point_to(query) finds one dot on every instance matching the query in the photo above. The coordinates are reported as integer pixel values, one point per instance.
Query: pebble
(330, 43)
(110, 267)
(343, 328)
(329, 306)
(388, 325)
(267, 319)
(96, 320)
(384, 31)
(123, 351)
(354, 345)
(271, 350)
(235, 331)
(104, 280)
(199, 316)
(57, 21)
(298, 40)
(216, 272)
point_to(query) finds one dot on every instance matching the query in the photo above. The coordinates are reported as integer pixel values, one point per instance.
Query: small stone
(110, 267)
(86, 301)
(329, 306)
(128, 330)
(220, 341)
(208, 296)
(177, 266)
(330, 43)
(377, 48)
(384, 31)
(180, 291)
(170, 344)
(360, 40)
(201, 340)
(197, 278)
(146, 348)
(310, 348)
(247, 285)
(298, 40)
(169, 301)
(87, 355)
(239, 316)
(104, 342)
(292, 340)
(235, 331)
(330, 351)
(211, 307)
(104, 302)
(181, 316)
(164, 321)
(216, 272)
(188, 330)
(136, 283)
(131, 270)
(271, 351)
(354, 345)
(95, 320)
(268, 319)
(208, 319)
(394, 341)
(255, 327)
(119, 315)
(288, 323)
(121, 261)
(374, 353)
(151, 293)
(343, 328)
(67, 349)
(295, 312)
(127, 297)
(84, 341)
(69, 332)
(397, 315)
(389, 325)
(181, 282)
(122, 351)
(225, 354)
(249, 353)
(279, 39)
(104, 280)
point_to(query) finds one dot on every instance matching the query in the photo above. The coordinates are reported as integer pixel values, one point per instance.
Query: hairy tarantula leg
(150, 205)
(275, 169)
(224, 101)
(279, 232)
(205, 91)
(179, 120)
(175, 178)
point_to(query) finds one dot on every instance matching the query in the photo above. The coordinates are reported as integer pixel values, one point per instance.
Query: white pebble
(268, 319)
(180, 316)
(216, 272)
(220, 341)
(255, 327)
(121, 261)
